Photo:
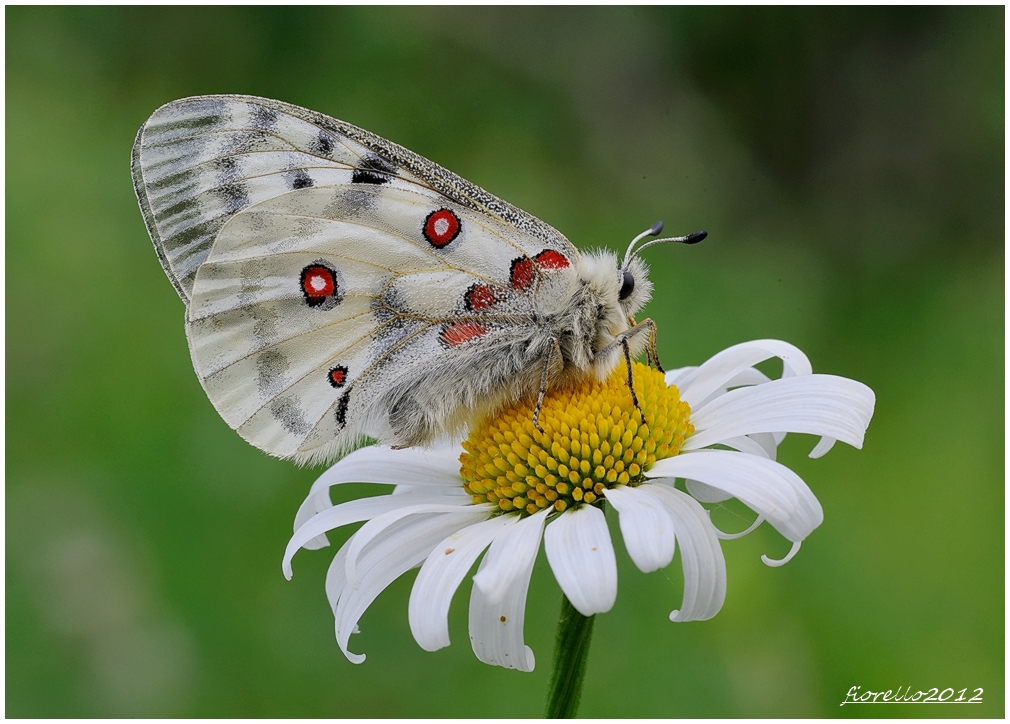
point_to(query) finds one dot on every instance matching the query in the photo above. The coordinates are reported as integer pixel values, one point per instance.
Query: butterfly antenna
(689, 239)
(653, 230)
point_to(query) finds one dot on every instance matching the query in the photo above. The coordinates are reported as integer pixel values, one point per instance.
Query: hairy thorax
(588, 319)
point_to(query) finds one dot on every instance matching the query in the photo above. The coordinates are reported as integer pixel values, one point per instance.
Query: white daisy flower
(514, 485)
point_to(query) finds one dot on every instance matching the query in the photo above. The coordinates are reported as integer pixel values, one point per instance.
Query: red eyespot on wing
(318, 284)
(523, 273)
(550, 259)
(460, 332)
(338, 376)
(481, 296)
(441, 227)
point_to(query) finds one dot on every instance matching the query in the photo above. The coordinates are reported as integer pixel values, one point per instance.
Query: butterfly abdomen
(443, 399)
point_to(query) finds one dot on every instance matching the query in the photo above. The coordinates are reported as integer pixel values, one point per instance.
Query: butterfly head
(612, 293)
(633, 287)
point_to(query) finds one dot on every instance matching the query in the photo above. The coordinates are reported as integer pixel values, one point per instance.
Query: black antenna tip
(696, 237)
(656, 229)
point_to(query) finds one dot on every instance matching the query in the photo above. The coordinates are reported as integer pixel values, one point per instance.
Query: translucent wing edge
(140, 189)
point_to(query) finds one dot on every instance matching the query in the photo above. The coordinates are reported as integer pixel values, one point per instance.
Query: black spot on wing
(340, 414)
(227, 170)
(373, 170)
(288, 412)
(300, 179)
(350, 204)
(263, 118)
(271, 367)
(234, 196)
(321, 145)
(361, 176)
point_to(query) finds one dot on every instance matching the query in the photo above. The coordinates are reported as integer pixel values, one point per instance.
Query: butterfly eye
(627, 286)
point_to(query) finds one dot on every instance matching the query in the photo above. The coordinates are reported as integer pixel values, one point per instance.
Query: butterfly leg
(631, 377)
(651, 351)
(553, 347)
(624, 343)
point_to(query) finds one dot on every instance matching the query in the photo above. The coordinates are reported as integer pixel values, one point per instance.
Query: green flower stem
(571, 652)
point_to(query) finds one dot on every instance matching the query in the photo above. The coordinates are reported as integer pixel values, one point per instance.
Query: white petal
(769, 442)
(747, 377)
(510, 554)
(672, 376)
(454, 490)
(719, 370)
(745, 444)
(379, 464)
(700, 554)
(825, 405)
(352, 511)
(646, 526)
(375, 527)
(823, 447)
(336, 578)
(404, 545)
(496, 622)
(441, 575)
(767, 487)
(581, 554)
(775, 563)
(706, 493)
(723, 535)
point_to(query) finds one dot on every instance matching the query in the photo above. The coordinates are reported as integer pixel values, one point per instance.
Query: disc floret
(593, 439)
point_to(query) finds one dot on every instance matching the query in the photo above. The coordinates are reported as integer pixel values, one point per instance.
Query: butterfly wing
(198, 161)
(335, 280)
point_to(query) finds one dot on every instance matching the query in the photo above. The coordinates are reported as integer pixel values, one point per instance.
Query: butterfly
(339, 286)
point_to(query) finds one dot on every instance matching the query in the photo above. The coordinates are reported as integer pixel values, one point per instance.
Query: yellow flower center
(594, 438)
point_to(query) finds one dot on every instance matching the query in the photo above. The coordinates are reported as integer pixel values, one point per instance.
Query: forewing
(199, 161)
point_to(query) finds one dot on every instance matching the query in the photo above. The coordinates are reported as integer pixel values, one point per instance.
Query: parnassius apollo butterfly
(338, 285)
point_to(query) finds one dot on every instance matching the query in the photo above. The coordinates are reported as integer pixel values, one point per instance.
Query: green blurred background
(848, 164)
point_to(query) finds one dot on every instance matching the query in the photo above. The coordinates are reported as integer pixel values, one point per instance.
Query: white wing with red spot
(331, 275)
